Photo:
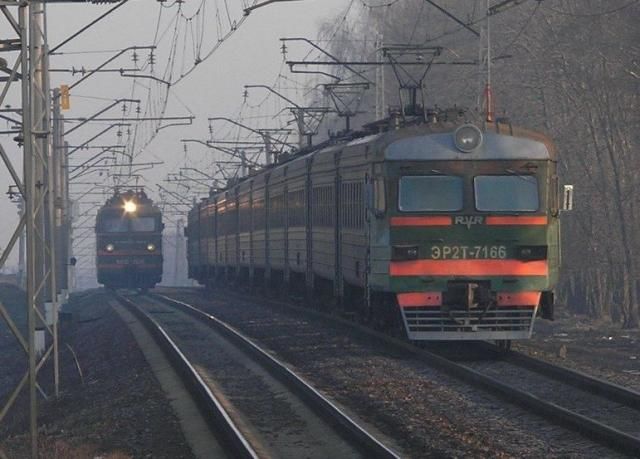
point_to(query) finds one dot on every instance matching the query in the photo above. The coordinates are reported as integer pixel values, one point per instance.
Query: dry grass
(17, 447)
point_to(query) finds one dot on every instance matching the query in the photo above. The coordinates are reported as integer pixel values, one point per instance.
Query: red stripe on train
(468, 268)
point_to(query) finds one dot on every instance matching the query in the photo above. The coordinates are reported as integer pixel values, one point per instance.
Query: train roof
(431, 140)
(139, 196)
(382, 134)
(499, 142)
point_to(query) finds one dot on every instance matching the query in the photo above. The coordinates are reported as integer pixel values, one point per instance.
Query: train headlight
(467, 138)
(151, 247)
(130, 207)
(109, 247)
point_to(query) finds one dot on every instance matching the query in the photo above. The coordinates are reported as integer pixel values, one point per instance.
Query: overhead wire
(588, 15)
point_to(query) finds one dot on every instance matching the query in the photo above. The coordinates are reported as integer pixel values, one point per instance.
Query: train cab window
(506, 193)
(430, 193)
(143, 224)
(114, 225)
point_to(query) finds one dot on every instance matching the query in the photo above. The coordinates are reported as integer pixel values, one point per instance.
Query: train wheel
(386, 314)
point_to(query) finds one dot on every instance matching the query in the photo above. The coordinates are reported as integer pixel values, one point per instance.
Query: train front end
(129, 242)
(472, 223)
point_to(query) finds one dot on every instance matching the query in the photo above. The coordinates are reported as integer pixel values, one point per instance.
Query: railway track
(602, 411)
(256, 404)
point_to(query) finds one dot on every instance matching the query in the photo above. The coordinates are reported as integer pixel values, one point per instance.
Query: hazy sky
(251, 55)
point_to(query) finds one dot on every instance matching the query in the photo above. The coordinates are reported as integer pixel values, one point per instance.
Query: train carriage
(452, 227)
(297, 221)
(194, 251)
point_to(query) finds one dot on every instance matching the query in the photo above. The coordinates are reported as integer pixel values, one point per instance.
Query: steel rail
(209, 405)
(590, 428)
(346, 426)
(578, 379)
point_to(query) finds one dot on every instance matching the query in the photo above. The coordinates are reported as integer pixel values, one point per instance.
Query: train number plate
(127, 261)
(464, 252)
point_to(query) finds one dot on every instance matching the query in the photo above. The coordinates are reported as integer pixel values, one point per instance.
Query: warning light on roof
(467, 138)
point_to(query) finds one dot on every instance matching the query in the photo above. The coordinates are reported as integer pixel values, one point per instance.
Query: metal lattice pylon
(38, 192)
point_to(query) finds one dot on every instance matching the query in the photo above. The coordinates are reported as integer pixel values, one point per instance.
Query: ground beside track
(117, 410)
(428, 412)
(596, 347)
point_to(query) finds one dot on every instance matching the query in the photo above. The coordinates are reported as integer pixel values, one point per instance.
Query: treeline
(570, 68)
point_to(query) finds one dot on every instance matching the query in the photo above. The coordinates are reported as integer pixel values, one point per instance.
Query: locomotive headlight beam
(130, 207)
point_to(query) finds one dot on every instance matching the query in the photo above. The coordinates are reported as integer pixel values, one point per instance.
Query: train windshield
(115, 225)
(143, 224)
(435, 193)
(506, 193)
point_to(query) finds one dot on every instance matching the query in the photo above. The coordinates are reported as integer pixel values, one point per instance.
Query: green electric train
(449, 227)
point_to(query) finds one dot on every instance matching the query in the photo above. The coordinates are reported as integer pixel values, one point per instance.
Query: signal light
(65, 103)
(151, 247)
(109, 247)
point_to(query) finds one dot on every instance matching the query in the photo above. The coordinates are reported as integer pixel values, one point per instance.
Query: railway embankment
(111, 405)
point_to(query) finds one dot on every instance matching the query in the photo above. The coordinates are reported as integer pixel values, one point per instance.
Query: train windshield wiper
(526, 178)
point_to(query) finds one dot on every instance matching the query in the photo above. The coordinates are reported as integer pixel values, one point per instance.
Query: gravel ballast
(116, 409)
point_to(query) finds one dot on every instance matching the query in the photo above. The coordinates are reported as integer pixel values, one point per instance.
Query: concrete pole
(177, 253)
(52, 307)
(244, 170)
(67, 211)
(300, 123)
(267, 148)
(57, 152)
(380, 102)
